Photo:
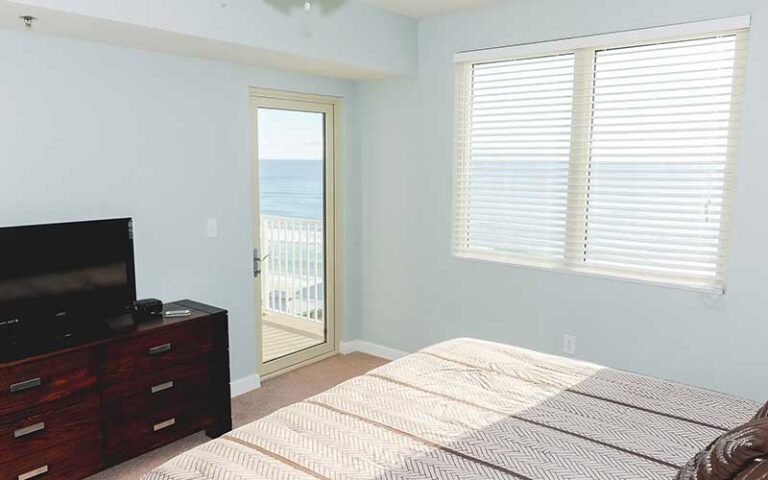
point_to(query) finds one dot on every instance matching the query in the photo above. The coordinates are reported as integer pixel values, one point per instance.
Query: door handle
(163, 425)
(34, 473)
(162, 387)
(257, 262)
(23, 432)
(166, 347)
(26, 385)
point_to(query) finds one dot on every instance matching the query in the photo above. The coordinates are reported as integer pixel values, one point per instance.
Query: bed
(470, 409)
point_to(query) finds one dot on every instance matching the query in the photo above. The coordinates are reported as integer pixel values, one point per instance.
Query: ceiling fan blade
(326, 6)
(331, 6)
(285, 6)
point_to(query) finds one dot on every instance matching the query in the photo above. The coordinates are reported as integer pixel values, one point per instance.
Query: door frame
(330, 106)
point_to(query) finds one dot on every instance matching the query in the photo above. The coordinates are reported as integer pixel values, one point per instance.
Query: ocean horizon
(291, 188)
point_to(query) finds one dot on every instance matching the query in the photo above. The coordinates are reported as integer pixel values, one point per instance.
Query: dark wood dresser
(67, 414)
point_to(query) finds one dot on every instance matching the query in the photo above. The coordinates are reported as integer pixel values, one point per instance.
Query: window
(611, 155)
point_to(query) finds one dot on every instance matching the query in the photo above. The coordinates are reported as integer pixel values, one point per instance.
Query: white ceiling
(425, 8)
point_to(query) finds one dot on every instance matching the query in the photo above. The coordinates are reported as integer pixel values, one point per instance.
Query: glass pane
(514, 187)
(291, 194)
(659, 158)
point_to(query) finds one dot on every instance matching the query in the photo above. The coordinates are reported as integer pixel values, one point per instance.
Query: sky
(290, 135)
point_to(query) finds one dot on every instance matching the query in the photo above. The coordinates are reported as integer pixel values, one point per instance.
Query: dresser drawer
(156, 351)
(68, 461)
(46, 426)
(128, 438)
(159, 390)
(28, 384)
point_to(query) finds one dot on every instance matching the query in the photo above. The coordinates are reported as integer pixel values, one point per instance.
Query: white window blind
(612, 159)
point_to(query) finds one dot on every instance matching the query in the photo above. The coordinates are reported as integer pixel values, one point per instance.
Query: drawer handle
(23, 432)
(162, 425)
(34, 473)
(26, 385)
(166, 347)
(161, 387)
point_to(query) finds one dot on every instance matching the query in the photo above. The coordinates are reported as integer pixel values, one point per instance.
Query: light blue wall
(92, 131)
(415, 294)
(357, 35)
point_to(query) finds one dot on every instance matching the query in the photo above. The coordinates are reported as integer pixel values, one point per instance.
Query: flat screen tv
(65, 274)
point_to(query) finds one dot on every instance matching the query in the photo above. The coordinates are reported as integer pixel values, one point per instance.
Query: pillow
(734, 452)
(757, 470)
(762, 413)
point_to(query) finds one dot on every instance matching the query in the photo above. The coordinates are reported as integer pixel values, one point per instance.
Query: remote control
(178, 313)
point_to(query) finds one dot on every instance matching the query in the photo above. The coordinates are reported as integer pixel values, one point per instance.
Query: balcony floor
(283, 335)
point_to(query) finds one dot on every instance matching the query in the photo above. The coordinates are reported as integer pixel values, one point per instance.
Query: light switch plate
(569, 344)
(212, 227)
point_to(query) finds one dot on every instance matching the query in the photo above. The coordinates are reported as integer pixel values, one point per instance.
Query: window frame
(584, 49)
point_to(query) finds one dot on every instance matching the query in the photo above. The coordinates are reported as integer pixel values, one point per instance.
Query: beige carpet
(273, 395)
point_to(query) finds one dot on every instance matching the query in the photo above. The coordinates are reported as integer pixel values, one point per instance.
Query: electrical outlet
(212, 227)
(569, 344)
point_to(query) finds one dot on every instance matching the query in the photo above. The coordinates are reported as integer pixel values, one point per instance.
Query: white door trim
(331, 106)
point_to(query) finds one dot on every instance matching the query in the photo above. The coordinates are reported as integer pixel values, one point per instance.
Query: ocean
(291, 188)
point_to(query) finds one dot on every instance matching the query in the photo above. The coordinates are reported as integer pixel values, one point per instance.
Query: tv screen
(75, 271)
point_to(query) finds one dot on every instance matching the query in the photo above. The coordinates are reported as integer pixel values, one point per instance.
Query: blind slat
(616, 161)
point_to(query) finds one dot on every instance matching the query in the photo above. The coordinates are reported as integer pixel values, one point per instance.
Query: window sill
(584, 272)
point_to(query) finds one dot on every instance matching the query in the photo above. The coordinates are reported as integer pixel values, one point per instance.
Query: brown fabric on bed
(732, 453)
(762, 413)
(758, 470)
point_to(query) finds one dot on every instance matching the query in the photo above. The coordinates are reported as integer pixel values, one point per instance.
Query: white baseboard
(253, 382)
(245, 385)
(374, 349)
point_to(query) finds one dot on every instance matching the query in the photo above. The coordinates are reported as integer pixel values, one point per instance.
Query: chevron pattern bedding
(469, 409)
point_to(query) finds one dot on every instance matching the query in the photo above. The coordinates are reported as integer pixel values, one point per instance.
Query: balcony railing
(292, 266)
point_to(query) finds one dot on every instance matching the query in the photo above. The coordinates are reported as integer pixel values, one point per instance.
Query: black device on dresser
(148, 308)
(77, 394)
